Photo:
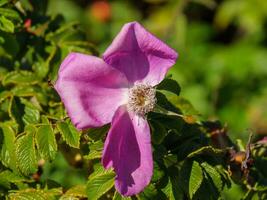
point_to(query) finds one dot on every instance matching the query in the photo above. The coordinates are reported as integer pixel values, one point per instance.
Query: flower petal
(90, 90)
(128, 150)
(140, 55)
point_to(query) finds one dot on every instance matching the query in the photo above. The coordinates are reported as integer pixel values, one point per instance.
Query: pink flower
(119, 89)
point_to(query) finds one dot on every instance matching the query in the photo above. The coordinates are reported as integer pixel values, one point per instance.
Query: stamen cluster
(142, 99)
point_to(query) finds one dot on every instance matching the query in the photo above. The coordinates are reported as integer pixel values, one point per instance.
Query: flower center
(142, 99)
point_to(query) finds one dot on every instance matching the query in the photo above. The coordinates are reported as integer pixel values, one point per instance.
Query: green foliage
(33, 194)
(99, 183)
(46, 142)
(169, 85)
(78, 191)
(8, 148)
(7, 178)
(117, 196)
(69, 134)
(196, 178)
(6, 25)
(43, 156)
(26, 152)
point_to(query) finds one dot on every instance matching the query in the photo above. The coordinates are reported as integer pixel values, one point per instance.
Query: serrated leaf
(31, 194)
(172, 191)
(26, 153)
(7, 155)
(206, 150)
(33, 91)
(99, 183)
(214, 175)
(23, 91)
(150, 192)
(95, 150)
(196, 178)
(20, 77)
(176, 190)
(78, 191)
(7, 177)
(56, 191)
(69, 134)
(6, 25)
(46, 142)
(117, 196)
(31, 115)
(169, 85)
(167, 190)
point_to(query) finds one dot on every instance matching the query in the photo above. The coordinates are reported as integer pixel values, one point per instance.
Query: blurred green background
(222, 65)
(222, 68)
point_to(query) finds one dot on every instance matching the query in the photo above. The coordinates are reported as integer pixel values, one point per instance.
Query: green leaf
(168, 191)
(20, 77)
(169, 85)
(3, 2)
(98, 133)
(31, 116)
(31, 194)
(196, 178)
(16, 111)
(163, 111)
(206, 150)
(5, 94)
(41, 67)
(176, 190)
(158, 173)
(78, 191)
(7, 155)
(7, 177)
(214, 175)
(46, 142)
(69, 134)
(158, 131)
(9, 13)
(99, 183)
(75, 48)
(23, 91)
(95, 150)
(170, 159)
(31, 91)
(26, 153)
(44, 119)
(172, 191)
(184, 105)
(6, 25)
(57, 35)
(117, 196)
(150, 192)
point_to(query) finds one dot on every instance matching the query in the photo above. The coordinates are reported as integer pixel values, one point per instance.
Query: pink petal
(128, 150)
(90, 90)
(140, 55)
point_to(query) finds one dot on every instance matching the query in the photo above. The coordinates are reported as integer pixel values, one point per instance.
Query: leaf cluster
(193, 158)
